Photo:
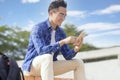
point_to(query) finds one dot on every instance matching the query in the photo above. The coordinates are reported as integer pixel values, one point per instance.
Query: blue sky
(99, 18)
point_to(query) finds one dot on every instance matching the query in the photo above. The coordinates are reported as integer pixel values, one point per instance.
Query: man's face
(58, 15)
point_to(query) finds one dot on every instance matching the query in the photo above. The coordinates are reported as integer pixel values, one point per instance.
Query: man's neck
(54, 26)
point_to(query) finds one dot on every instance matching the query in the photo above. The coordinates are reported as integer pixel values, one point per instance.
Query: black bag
(9, 69)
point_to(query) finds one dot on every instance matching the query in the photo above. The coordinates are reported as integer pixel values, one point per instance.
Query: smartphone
(82, 34)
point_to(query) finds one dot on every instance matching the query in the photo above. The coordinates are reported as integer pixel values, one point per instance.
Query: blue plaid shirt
(39, 44)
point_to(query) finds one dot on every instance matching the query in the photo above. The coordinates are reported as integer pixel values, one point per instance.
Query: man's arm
(68, 40)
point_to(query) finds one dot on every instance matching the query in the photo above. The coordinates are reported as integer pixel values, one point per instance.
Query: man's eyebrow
(63, 14)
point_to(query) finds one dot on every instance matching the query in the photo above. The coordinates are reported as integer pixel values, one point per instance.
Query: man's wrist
(76, 49)
(61, 42)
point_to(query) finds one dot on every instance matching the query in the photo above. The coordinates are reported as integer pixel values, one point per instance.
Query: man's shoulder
(40, 25)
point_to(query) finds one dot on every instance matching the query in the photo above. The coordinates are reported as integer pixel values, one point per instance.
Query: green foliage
(70, 29)
(13, 41)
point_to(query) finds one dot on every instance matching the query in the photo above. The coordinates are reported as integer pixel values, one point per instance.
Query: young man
(47, 40)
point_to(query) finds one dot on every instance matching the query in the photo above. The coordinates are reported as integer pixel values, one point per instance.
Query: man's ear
(50, 12)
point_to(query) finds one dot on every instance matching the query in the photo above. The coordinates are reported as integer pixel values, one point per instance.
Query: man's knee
(48, 57)
(79, 62)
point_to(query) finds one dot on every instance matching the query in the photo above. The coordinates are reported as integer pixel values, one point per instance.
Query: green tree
(13, 40)
(70, 29)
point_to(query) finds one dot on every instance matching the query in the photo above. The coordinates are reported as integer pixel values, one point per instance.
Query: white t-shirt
(53, 38)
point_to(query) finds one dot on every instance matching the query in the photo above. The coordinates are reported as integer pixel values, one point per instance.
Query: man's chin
(59, 24)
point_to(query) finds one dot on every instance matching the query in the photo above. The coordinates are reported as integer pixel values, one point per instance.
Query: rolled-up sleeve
(67, 53)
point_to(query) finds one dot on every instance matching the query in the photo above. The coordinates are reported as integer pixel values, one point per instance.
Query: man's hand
(78, 44)
(68, 40)
(76, 41)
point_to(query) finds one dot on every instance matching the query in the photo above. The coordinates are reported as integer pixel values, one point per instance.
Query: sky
(100, 19)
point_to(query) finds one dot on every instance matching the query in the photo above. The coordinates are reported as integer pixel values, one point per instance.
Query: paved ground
(102, 70)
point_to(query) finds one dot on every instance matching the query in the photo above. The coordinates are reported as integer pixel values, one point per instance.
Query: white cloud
(75, 13)
(94, 27)
(29, 25)
(106, 39)
(109, 10)
(98, 33)
(30, 1)
(116, 32)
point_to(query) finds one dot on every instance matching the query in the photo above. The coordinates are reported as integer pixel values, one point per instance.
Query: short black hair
(56, 4)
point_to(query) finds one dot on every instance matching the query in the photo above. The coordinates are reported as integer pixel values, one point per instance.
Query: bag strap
(4, 56)
(22, 74)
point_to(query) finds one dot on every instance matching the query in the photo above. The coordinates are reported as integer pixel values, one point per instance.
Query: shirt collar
(49, 25)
